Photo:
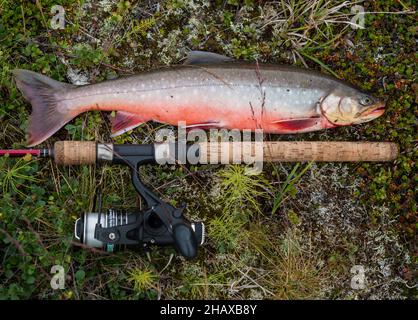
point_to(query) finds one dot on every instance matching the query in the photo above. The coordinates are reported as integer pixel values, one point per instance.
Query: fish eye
(365, 101)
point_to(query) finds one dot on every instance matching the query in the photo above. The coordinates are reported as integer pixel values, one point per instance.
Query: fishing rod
(160, 223)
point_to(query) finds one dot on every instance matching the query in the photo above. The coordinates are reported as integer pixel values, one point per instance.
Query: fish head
(345, 107)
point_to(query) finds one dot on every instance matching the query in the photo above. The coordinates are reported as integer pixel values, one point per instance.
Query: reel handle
(185, 240)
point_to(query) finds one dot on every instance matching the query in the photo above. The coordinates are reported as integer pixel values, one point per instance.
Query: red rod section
(20, 153)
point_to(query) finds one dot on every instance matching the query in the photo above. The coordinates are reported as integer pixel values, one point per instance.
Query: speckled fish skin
(277, 99)
(229, 97)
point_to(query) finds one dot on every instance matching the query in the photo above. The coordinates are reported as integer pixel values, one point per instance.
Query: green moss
(129, 36)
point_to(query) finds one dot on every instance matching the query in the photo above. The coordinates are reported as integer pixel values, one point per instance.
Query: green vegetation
(294, 232)
(288, 188)
(240, 190)
(142, 279)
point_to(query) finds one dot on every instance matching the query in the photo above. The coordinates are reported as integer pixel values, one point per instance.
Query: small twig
(168, 263)
(15, 242)
(23, 20)
(256, 283)
(116, 68)
(94, 250)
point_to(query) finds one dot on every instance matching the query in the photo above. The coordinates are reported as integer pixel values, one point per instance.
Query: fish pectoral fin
(204, 57)
(290, 125)
(125, 121)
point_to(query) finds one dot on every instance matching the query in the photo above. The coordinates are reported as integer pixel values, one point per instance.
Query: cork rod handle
(75, 152)
(301, 151)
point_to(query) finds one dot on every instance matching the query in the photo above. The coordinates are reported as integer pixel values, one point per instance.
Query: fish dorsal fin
(203, 57)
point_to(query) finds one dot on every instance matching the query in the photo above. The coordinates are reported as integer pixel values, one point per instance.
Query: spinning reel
(158, 224)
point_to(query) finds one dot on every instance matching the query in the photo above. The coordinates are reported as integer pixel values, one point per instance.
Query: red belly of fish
(205, 117)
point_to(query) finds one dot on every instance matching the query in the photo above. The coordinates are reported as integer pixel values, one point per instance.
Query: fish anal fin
(206, 125)
(204, 57)
(289, 125)
(125, 121)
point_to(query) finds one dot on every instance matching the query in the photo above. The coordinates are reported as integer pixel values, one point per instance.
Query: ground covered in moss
(295, 232)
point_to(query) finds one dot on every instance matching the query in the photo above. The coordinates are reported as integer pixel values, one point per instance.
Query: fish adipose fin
(43, 93)
(203, 57)
(297, 124)
(125, 121)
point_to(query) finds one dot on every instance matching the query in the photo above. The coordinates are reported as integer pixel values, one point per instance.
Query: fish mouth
(373, 112)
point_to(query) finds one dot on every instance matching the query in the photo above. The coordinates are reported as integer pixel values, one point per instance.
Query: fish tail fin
(43, 93)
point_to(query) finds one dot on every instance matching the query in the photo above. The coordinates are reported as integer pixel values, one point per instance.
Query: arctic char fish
(208, 91)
